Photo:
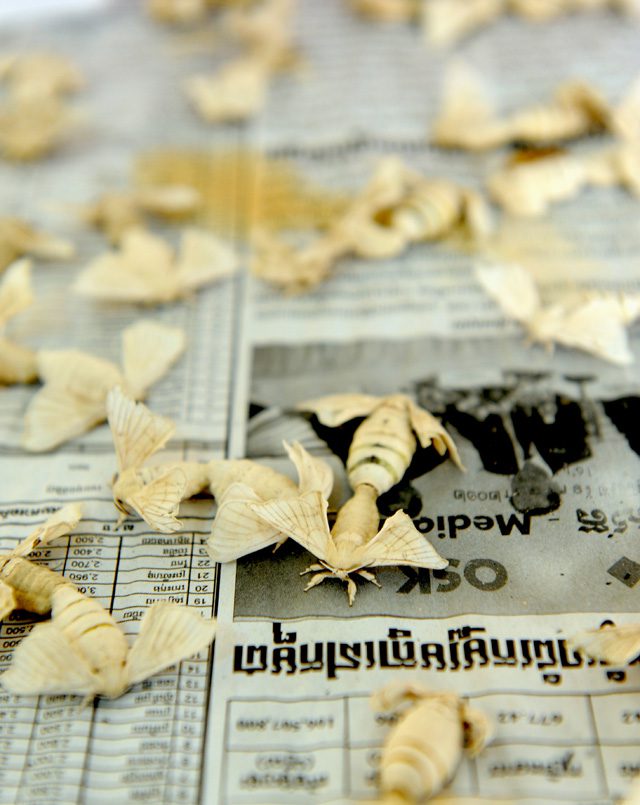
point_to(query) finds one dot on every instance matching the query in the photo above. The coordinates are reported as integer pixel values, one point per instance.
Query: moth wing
(304, 519)
(430, 430)
(237, 529)
(512, 287)
(54, 416)
(58, 525)
(137, 433)
(595, 327)
(15, 290)
(203, 259)
(7, 600)
(109, 277)
(46, 662)
(400, 543)
(158, 501)
(168, 633)
(149, 350)
(626, 116)
(465, 101)
(617, 645)
(314, 474)
(81, 374)
(336, 409)
(477, 729)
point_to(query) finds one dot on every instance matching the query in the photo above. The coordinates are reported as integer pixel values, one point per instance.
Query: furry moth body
(73, 397)
(425, 747)
(25, 585)
(83, 651)
(379, 455)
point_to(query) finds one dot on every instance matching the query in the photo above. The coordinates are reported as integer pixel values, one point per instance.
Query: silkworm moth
(40, 75)
(18, 364)
(424, 748)
(379, 455)
(25, 585)
(32, 127)
(19, 238)
(155, 492)
(83, 651)
(238, 90)
(447, 21)
(73, 397)
(617, 645)
(146, 271)
(468, 120)
(116, 212)
(592, 321)
(397, 207)
(530, 188)
(241, 484)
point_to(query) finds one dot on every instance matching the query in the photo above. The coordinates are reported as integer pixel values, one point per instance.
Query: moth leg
(317, 579)
(279, 543)
(311, 569)
(121, 518)
(352, 589)
(369, 577)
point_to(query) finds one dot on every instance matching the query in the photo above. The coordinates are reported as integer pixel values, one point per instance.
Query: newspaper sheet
(540, 532)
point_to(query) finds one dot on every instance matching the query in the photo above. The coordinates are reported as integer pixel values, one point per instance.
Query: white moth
(73, 397)
(592, 321)
(468, 119)
(154, 492)
(397, 207)
(83, 651)
(447, 21)
(25, 585)
(617, 645)
(424, 748)
(19, 238)
(238, 90)
(240, 485)
(18, 364)
(40, 75)
(530, 187)
(116, 212)
(32, 127)
(146, 271)
(379, 455)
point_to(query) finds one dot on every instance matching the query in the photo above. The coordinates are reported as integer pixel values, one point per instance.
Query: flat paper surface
(541, 532)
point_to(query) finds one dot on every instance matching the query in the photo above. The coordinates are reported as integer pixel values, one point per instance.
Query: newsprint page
(541, 532)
